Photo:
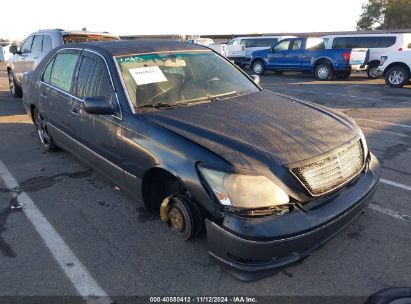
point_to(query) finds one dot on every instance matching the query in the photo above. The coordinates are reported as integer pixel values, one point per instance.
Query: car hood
(251, 130)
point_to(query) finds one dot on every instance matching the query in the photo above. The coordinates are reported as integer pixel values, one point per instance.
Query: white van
(378, 44)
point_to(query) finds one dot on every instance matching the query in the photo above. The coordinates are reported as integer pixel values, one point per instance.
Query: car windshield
(181, 78)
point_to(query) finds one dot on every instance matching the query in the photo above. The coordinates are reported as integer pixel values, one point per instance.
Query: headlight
(244, 191)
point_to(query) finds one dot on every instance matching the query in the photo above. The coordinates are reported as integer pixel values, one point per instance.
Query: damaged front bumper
(252, 248)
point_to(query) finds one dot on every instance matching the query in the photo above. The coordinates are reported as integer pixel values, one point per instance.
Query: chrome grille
(332, 171)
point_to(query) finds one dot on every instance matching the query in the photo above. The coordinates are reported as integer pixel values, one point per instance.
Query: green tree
(385, 15)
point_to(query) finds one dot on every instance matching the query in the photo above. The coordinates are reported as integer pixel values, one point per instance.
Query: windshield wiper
(209, 98)
(160, 105)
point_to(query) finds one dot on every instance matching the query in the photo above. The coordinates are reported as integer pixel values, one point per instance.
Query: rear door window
(47, 71)
(93, 78)
(26, 46)
(47, 46)
(37, 44)
(63, 69)
(297, 45)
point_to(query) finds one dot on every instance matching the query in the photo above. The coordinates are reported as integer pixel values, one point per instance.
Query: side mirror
(256, 79)
(98, 105)
(13, 49)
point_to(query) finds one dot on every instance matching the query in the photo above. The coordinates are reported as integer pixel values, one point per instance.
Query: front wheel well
(157, 184)
(255, 60)
(401, 64)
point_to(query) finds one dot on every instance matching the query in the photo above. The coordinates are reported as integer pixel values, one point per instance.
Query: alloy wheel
(42, 129)
(396, 77)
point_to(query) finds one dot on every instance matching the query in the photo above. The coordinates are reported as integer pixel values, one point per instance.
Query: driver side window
(282, 46)
(93, 79)
(26, 46)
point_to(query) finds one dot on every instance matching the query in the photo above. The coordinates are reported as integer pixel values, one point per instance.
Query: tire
(372, 71)
(258, 67)
(41, 126)
(397, 76)
(323, 71)
(15, 89)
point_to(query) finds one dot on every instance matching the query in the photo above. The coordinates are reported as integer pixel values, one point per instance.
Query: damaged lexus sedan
(193, 138)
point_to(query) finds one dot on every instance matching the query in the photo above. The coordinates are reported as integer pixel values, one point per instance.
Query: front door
(19, 64)
(101, 134)
(278, 57)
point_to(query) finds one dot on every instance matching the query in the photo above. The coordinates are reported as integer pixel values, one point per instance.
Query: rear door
(101, 134)
(57, 85)
(296, 53)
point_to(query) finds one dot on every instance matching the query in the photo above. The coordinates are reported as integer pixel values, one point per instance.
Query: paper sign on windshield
(147, 75)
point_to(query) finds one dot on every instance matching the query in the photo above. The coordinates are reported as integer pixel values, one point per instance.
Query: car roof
(364, 35)
(128, 47)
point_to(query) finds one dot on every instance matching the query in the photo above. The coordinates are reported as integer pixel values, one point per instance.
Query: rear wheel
(397, 76)
(372, 71)
(258, 67)
(323, 71)
(15, 89)
(42, 131)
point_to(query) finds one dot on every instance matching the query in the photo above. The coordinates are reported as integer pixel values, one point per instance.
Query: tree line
(385, 15)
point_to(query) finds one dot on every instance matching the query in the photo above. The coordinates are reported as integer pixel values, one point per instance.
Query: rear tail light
(400, 49)
(347, 56)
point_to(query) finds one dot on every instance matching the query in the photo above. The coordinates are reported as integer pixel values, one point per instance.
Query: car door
(56, 97)
(19, 64)
(101, 134)
(295, 54)
(278, 57)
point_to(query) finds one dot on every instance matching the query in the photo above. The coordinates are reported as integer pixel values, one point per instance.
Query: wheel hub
(257, 68)
(396, 77)
(323, 72)
(176, 219)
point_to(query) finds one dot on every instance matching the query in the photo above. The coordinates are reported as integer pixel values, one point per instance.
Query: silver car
(33, 49)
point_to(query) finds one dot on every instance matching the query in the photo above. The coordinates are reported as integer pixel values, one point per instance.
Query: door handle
(74, 112)
(43, 96)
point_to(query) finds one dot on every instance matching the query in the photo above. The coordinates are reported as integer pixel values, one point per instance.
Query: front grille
(332, 171)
